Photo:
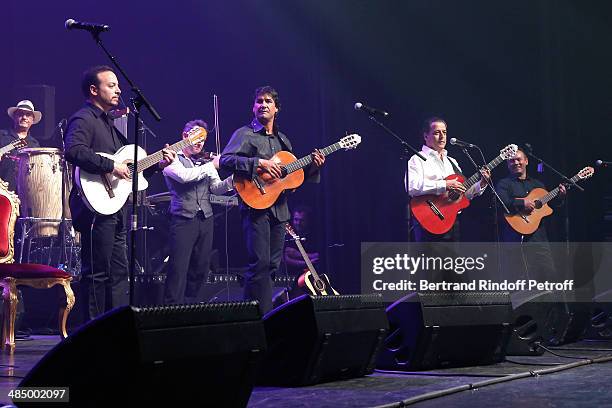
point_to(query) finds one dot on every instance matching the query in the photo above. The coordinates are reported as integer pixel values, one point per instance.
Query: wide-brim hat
(26, 106)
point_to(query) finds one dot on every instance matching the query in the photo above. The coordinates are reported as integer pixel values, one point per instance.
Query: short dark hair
(90, 77)
(522, 151)
(196, 122)
(263, 90)
(427, 123)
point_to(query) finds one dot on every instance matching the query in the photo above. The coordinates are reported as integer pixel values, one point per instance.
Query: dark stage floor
(544, 381)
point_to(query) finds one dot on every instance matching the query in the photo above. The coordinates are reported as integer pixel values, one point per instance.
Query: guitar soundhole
(320, 285)
(453, 195)
(538, 204)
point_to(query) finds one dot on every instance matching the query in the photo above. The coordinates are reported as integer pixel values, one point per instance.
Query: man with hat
(24, 116)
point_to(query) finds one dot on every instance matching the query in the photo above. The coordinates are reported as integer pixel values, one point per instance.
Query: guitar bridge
(107, 185)
(259, 185)
(435, 209)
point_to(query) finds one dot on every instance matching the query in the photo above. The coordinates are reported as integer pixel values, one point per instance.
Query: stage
(579, 379)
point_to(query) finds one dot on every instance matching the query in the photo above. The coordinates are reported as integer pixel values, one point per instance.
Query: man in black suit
(104, 266)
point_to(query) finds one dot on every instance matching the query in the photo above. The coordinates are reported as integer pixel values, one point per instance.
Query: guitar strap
(455, 168)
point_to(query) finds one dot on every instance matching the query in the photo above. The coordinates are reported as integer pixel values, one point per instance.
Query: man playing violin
(190, 182)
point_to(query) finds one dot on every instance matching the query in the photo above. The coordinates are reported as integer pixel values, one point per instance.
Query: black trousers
(104, 265)
(265, 238)
(190, 246)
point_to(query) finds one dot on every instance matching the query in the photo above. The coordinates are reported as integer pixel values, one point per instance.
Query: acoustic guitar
(15, 144)
(317, 285)
(437, 213)
(262, 191)
(526, 224)
(105, 194)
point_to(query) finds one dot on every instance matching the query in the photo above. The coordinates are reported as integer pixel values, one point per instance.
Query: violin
(205, 157)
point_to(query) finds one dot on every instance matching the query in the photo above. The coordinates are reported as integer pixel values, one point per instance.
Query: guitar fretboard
(156, 157)
(305, 256)
(11, 146)
(555, 191)
(306, 160)
(476, 176)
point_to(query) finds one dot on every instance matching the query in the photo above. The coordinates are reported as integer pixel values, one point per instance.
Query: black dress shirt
(251, 143)
(91, 130)
(511, 190)
(8, 166)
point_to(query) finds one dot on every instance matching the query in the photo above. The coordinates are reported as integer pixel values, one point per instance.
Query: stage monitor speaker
(43, 98)
(446, 329)
(323, 338)
(599, 323)
(540, 318)
(186, 355)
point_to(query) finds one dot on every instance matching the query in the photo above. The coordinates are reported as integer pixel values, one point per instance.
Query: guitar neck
(156, 157)
(4, 150)
(554, 192)
(306, 259)
(476, 176)
(306, 160)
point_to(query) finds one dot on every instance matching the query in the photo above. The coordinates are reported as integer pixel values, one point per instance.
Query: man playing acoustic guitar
(513, 191)
(428, 177)
(535, 258)
(104, 265)
(248, 154)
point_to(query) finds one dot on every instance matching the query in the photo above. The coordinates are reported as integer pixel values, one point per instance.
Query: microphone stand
(495, 201)
(407, 149)
(567, 180)
(138, 100)
(144, 129)
(490, 183)
(62, 228)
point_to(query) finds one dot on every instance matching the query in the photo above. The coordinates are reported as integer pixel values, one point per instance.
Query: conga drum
(39, 186)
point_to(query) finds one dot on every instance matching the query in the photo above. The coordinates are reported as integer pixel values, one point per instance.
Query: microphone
(62, 123)
(370, 111)
(602, 163)
(93, 28)
(460, 143)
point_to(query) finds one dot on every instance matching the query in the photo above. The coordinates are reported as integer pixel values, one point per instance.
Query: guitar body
(93, 191)
(322, 288)
(438, 213)
(253, 196)
(528, 223)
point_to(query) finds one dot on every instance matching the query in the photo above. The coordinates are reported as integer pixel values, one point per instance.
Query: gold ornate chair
(12, 274)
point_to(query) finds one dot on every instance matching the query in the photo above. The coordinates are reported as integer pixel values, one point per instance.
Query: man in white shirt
(428, 176)
(191, 227)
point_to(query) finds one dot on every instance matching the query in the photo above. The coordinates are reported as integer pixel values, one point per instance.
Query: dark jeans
(190, 246)
(104, 266)
(265, 238)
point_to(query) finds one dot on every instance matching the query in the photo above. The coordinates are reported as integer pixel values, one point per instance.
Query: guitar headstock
(291, 232)
(19, 143)
(350, 141)
(508, 152)
(197, 134)
(586, 173)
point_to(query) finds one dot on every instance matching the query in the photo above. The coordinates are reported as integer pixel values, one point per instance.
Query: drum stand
(69, 257)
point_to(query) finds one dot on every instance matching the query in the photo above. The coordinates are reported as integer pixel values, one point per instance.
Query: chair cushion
(31, 271)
